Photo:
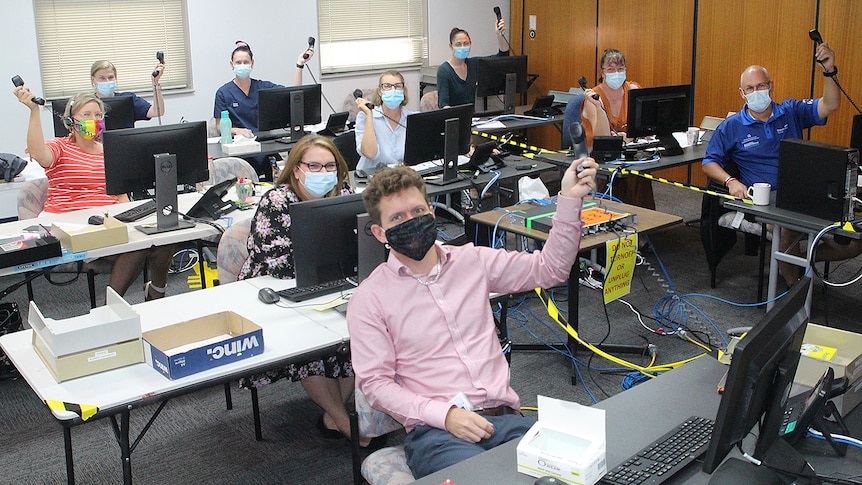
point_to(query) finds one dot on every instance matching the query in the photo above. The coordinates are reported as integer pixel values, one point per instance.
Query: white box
(106, 338)
(845, 362)
(241, 148)
(567, 443)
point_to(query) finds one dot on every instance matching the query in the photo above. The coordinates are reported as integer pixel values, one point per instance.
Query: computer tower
(371, 251)
(817, 179)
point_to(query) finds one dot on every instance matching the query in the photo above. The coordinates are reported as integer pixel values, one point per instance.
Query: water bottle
(224, 127)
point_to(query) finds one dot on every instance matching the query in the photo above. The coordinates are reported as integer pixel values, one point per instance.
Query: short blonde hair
(392, 72)
(103, 64)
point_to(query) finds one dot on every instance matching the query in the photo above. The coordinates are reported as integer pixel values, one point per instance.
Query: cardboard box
(241, 148)
(846, 361)
(567, 443)
(83, 237)
(193, 346)
(106, 338)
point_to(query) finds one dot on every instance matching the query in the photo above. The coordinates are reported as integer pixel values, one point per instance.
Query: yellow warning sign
(621, 257)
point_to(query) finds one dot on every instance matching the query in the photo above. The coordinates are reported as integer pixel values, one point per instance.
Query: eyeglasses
(319, 167)
(611, 69)
(390, 86)
(87, 115)
(760, 87)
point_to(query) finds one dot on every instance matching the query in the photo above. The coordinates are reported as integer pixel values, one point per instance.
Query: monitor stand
(167, 218)
(671, 146)
(297, 115)
(509, 93)
(450, 154)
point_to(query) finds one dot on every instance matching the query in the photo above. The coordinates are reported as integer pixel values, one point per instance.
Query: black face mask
(413, 238)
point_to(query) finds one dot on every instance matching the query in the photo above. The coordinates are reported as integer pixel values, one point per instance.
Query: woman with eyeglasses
(75, 168)
(314, 169)
(456, 77)
(608, 115)
(382, 132)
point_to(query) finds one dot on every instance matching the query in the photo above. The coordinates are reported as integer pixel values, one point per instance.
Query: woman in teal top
(456, 77)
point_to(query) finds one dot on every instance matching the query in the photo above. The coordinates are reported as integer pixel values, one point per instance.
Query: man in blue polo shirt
(750, 138)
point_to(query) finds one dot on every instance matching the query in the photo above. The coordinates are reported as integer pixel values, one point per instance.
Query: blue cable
(490, 184)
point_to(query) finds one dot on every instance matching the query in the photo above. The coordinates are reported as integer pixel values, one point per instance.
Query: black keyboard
(137, 212)
(302, 293)
(665, 456)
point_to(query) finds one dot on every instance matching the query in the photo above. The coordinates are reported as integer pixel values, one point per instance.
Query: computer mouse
(268, 295)
(547, 481)
(360, 174)
(96, 220)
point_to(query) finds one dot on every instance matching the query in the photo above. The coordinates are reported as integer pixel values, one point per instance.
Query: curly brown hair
(388, 181)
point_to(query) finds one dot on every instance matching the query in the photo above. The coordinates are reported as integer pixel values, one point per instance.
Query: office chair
(571, 115)
(346, 144)
(386, 466)
(232, 251)
(428, 102)
(349, 104)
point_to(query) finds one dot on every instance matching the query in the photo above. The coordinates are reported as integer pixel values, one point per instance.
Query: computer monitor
(506, 75)
(324, 239)
(856, 133)
(762, 369)
(119, 113)
(290, 108)
(158, 157)
(659, 111)
(427, 137)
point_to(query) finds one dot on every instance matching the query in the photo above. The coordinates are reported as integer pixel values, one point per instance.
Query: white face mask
(758, 101)
(615, 79)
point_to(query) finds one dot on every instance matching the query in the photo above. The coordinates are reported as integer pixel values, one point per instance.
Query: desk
(290, 335)
(690, 156)
(647, 220)
(517, 125)
(633, 419)
(266, 148)
(769, 214)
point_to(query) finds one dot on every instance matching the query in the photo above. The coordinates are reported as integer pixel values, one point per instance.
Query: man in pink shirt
(423, 340)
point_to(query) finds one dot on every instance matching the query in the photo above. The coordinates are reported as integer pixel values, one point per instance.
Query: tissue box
(846, 361)
(83, 237)
(241, 148)
(193, 346)
(106, 338)
(567, 443)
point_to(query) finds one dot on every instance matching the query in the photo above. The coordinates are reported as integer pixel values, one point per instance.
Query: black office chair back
(346, 144)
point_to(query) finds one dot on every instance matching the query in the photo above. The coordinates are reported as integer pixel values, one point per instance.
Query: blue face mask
(615, 79)
(242, 71)
(106, 88)
(392, 98)
(462, 52)
(758, 101)
(318, 184)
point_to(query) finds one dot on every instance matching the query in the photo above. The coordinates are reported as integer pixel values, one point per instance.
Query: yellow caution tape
(85, 411)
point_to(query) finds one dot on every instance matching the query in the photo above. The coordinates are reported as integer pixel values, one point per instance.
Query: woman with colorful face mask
(608, 115)
(75, 167)
(456, 78)
(103, 76)
(313, 170)
(239, 96)
(381, 133)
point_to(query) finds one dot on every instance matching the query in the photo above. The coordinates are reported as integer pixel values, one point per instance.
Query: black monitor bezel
(324, 239)
(761, 373)
(119, 113)
(637, 126)
(128, 152)
(491, 74)
(273, 106)
(425, 139)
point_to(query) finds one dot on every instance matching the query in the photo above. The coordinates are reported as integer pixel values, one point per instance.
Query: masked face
(462, 52)
(392, 98)
(242, 71)
(414, 237)
(615, 79)
(106, 88)
(318, 184)
(89, 129)
(758, 101)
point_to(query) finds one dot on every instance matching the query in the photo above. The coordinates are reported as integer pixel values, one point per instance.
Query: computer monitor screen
(491, 74)
(425, 138)
(274, 106)
(323, 234)
(119, 113)
(129, 162)
(659, 111)
(761, 373)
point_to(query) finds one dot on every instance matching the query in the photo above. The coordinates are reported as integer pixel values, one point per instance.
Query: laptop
(607, 148)
(336, 124)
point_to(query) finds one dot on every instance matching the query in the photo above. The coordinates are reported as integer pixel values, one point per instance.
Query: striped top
(76, 179)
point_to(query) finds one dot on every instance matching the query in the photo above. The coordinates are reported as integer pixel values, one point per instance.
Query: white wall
(277, 32)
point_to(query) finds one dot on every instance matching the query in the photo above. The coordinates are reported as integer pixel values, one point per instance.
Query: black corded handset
(582, 82)
(310, 45)
(17, 81)
(579, 143)
(160, 56)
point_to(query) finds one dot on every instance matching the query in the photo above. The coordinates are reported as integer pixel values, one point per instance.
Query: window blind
(73, 34)
(359, 35)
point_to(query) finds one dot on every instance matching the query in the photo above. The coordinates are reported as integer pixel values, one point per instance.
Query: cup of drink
(244, 190)
(693, 135)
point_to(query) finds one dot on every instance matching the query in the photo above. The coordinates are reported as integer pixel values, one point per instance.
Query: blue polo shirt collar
(777, 111)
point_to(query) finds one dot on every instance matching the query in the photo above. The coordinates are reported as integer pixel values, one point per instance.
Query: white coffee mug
(693, 135)
(759, 193)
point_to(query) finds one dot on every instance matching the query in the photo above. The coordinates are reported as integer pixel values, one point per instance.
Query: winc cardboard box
(106, 338)
(830, 347)
(193, 346)
(83, 237)
(567, 443)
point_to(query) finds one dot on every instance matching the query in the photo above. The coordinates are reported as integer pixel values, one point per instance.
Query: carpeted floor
(196, 440)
